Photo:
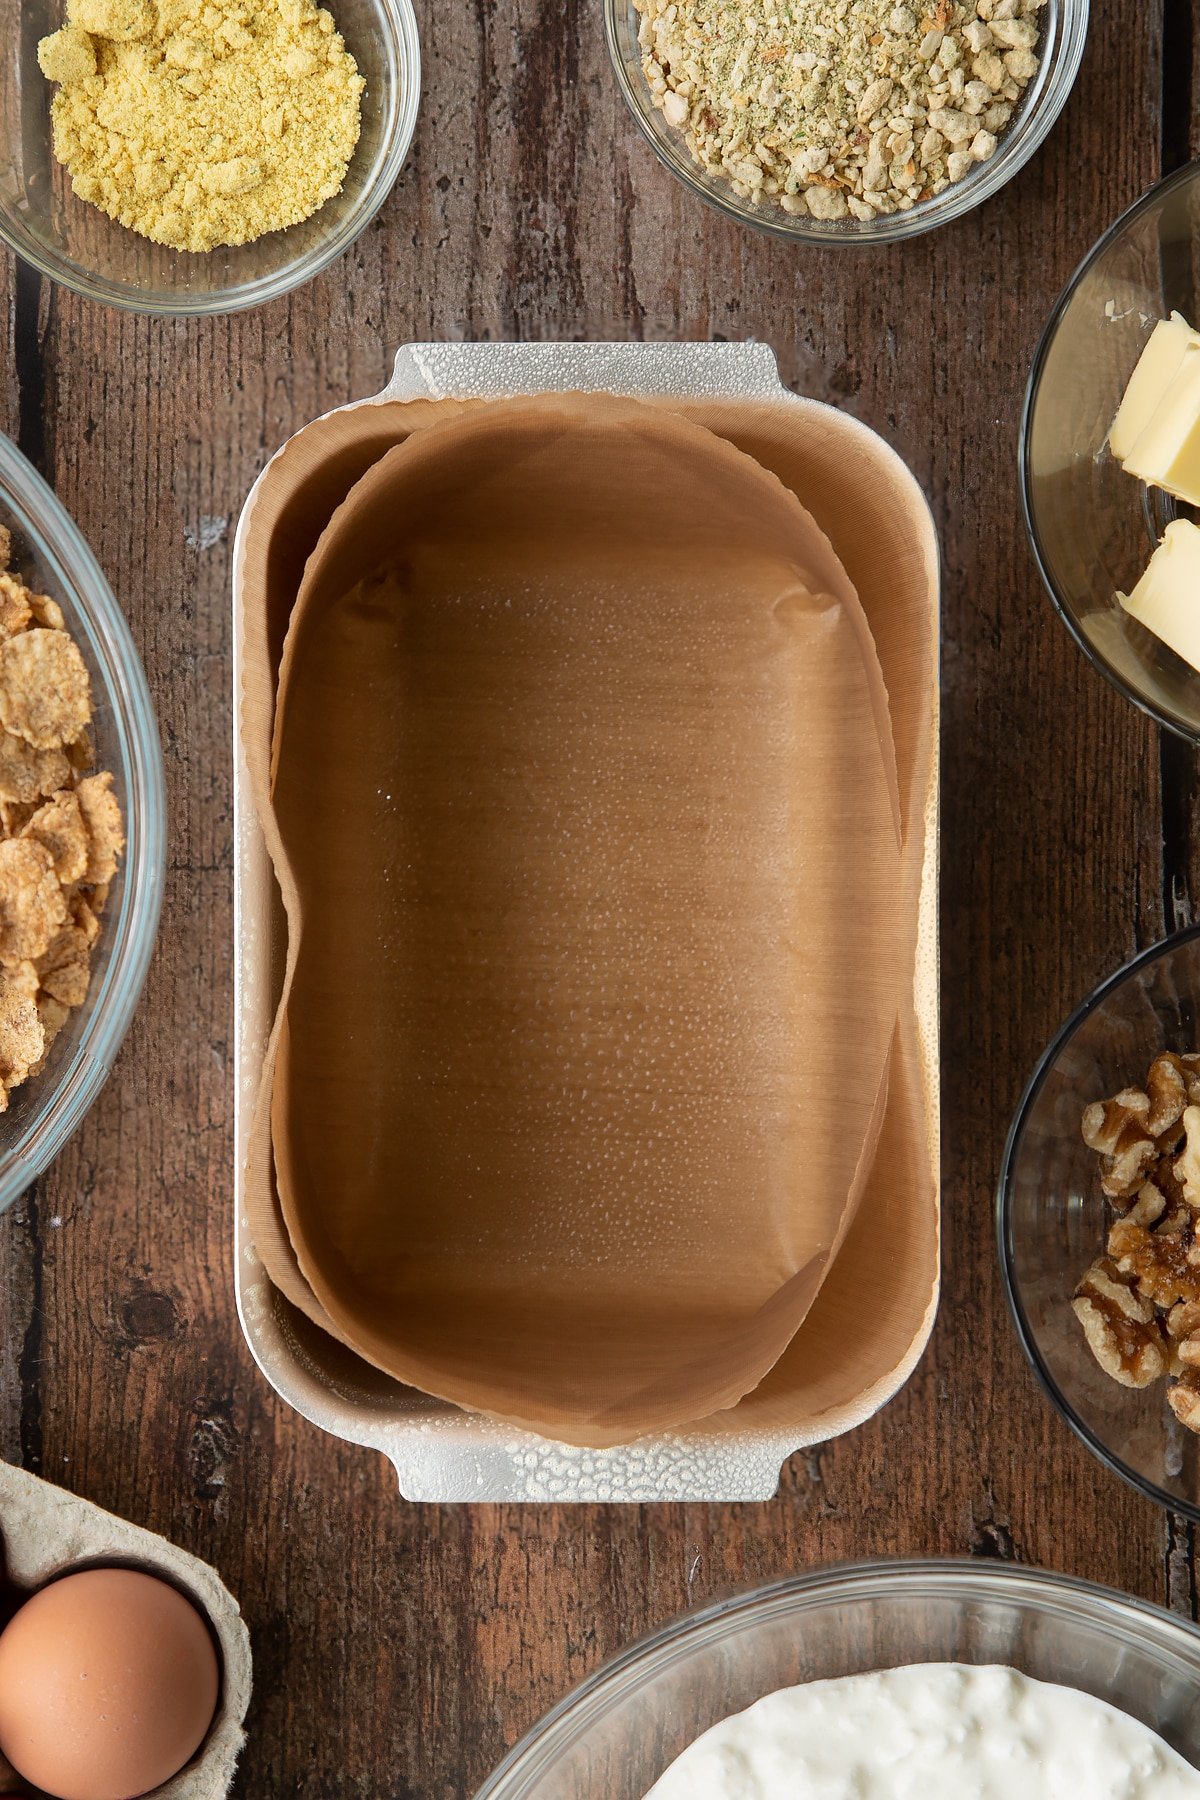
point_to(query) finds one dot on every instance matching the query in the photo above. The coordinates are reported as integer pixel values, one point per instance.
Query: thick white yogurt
(934, 1731)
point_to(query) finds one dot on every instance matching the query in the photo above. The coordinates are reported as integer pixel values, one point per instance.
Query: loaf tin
(440, 1453)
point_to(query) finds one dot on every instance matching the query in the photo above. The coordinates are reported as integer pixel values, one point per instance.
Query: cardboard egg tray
(45, 1532)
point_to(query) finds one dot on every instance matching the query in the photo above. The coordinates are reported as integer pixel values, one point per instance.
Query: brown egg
(108, 1683)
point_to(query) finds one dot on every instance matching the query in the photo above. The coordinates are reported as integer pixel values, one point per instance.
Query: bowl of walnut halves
(1099, 1220)
(82, 826)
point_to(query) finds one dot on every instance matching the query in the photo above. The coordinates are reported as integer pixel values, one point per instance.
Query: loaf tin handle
(493, 371)
(475, 1460)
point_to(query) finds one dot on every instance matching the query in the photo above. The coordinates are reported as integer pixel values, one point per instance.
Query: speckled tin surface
(440, 1453)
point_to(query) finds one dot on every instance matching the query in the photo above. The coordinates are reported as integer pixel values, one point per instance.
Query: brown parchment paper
(874, 1310)
(46, 1532)
(307, 481)
(876, 1306)
(516, 1239)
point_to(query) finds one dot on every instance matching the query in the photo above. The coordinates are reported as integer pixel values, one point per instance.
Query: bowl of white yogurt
(884, 1681)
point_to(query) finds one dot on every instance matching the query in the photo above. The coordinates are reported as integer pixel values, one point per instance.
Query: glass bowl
(615, 1734)
(76, 244)
(1064, 26)
(1052, 1221)
(50, 555)
(1093, 527)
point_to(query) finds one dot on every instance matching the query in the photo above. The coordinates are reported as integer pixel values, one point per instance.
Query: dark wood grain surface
(400, 1649)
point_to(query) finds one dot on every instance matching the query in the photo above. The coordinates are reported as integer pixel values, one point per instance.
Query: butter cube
(1167, 454)
(1167, 598)
(1157, 367)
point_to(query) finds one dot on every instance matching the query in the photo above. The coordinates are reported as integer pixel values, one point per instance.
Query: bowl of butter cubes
(1110, 454)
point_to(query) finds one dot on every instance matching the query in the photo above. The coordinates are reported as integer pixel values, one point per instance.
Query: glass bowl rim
(111, 1009)
(1004, 1235)
(931, 1576)
(1181, 177)
(223, 302)
(892, 228)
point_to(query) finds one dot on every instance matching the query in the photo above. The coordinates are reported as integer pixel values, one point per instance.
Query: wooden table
(401, 1649)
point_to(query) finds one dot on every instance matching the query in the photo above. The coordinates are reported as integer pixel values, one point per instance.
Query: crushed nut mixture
(60, 828)
(1139, 1305)
(203, 122)
(839, 108)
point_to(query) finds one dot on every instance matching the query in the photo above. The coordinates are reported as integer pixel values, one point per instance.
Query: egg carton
(442, 1454)
(46, 1532)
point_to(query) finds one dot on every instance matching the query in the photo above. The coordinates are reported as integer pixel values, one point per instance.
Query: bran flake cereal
(60, 829)
(45, 695)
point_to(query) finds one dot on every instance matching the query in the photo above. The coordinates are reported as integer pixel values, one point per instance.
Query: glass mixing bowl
(1093, 527)
(1052, 1220)
(615, 1734)
(1064, 25)
(53, 559)
(75, 243)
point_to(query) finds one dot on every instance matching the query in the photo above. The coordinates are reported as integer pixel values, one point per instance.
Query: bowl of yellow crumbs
(82, 826)
(199, 156)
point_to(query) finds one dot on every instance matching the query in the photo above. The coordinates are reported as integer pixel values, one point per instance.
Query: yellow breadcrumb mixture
(203, 122)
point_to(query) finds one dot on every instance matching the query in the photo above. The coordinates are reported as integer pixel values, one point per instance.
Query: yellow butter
(1148, 385)
(1167, 453)
(1167, 598)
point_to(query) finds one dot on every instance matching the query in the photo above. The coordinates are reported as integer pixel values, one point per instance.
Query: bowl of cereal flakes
(1099, 1220)
(846, 121)
(82, 826)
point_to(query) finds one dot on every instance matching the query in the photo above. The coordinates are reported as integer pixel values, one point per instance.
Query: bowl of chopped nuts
(1098, 1208)
(199, 160)
(82, 826)
(859, 122)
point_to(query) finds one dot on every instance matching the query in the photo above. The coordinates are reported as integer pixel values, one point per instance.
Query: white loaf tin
(440, 1453)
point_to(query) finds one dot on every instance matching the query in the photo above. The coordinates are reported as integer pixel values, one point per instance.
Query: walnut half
(1122, 1328)
(1117, 1130)
(1163, 1262)
(1184, 1398)
(1187, 1164)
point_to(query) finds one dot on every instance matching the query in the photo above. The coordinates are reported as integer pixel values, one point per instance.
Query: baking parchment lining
(630, 1330)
